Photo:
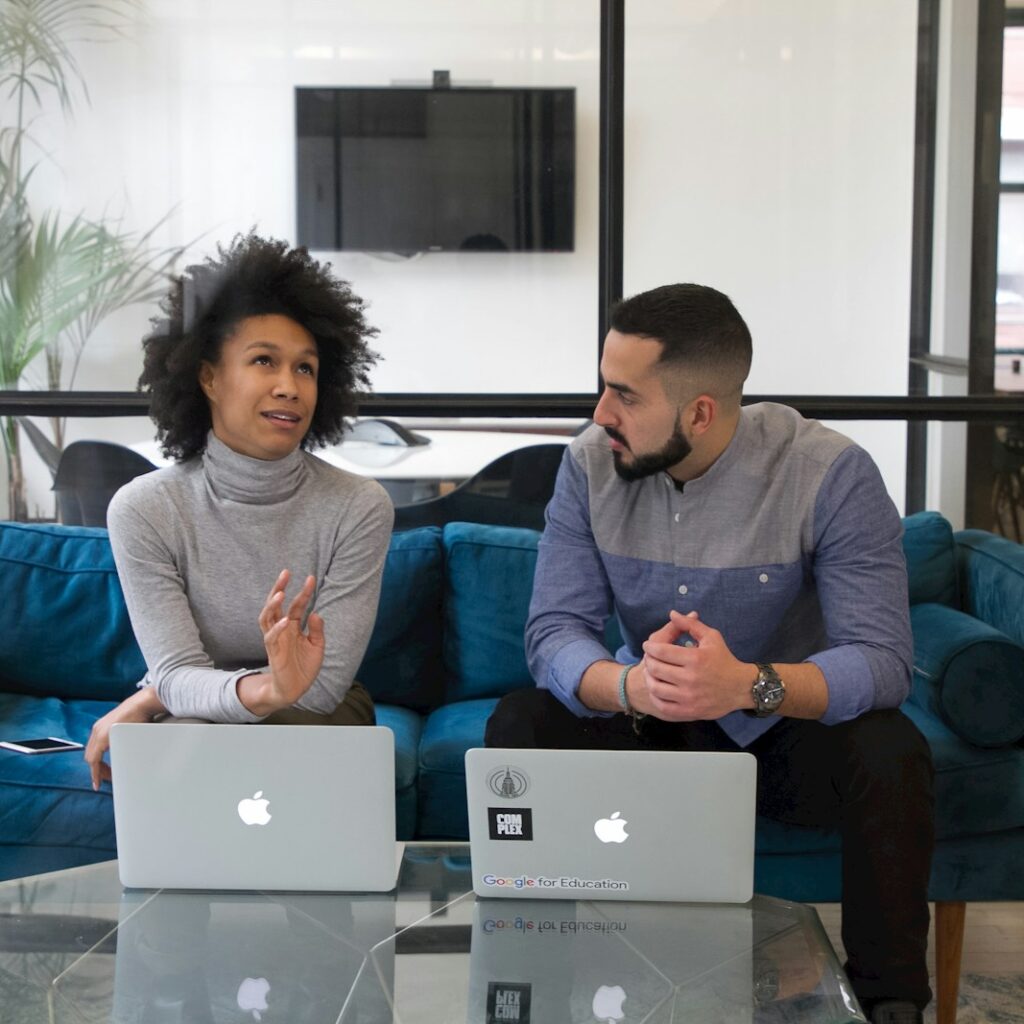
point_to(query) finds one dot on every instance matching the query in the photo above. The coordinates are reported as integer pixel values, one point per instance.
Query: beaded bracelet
(628, 708)
(623, 697)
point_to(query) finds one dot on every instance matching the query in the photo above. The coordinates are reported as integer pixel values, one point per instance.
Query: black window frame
(980, 409)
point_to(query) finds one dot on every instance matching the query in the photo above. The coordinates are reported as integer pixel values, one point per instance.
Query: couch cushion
(969, 674)
(977, 790)
(407, 726)
(804, 877)
(449, 732)
(402, 664)
(48, 799)
(452, 730)
(67, 630)
(489, 577)
(931, 558)
(992, 573)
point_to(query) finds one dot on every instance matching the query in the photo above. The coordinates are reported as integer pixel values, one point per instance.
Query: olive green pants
(355, 709)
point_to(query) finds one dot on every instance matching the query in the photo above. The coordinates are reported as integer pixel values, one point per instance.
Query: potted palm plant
(60, 275)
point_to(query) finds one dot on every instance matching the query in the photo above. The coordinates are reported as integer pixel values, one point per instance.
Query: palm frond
(15, 221)
(36, 38)
(54, 276)
(138, 272)
(48, 288)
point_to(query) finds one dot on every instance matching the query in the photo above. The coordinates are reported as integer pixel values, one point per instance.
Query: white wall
(769, 153)
(951, 266)
(193, 113)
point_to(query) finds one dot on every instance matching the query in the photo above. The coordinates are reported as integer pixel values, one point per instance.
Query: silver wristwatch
(769, 692)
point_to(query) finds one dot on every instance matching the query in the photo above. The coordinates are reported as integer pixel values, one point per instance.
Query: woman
(259, 359)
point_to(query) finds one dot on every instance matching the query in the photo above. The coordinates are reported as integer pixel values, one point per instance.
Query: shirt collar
(722, 465)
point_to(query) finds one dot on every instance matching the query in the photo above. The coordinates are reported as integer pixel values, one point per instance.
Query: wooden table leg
(949, 944)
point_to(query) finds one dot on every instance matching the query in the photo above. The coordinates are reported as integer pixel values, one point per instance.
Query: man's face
(643, 425)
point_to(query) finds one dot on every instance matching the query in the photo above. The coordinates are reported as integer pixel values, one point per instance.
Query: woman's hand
(294, 656)
(143, 706)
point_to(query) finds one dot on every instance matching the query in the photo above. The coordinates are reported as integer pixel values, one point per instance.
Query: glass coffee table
(77, 948)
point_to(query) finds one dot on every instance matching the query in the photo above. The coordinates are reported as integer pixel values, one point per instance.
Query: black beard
(674, 450)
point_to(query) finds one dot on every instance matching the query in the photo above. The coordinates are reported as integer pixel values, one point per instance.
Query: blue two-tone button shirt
(788, 545)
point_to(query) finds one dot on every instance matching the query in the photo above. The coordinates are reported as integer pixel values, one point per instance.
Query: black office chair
(88, 475)
(513, 490)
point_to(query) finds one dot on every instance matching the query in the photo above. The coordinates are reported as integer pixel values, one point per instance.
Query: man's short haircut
(703, 336)
(250, 277)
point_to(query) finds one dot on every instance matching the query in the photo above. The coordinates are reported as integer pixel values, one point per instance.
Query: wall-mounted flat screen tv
(411, 170)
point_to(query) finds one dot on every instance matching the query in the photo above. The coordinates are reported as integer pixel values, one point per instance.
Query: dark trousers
(871, 778)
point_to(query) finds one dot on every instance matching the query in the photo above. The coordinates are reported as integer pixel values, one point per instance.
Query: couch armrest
(968, 674)
(991, 573)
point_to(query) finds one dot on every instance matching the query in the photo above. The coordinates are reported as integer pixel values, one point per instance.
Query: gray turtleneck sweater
(199, 545)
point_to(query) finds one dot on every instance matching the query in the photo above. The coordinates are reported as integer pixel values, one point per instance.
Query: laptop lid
(612, 824)
(278, 807)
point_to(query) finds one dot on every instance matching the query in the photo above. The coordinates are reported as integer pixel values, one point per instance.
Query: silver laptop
(270, 807)
(612, 824)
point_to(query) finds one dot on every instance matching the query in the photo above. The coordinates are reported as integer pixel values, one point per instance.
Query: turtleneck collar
(241, 478)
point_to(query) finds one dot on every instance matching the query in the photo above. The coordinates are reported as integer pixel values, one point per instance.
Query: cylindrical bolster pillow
(969, 674)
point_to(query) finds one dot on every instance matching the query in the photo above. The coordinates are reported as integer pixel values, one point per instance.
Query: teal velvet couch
(448, 643)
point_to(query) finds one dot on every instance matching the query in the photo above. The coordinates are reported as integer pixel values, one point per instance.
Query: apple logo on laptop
(252, 996)
(611, 830)
(253, 810)
(608, 1000)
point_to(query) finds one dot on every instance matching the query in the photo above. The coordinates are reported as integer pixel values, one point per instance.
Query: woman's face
(262, 389)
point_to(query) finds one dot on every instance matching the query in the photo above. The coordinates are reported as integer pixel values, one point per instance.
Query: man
(754, 561)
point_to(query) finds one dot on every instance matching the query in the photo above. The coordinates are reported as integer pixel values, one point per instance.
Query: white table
(414, 473)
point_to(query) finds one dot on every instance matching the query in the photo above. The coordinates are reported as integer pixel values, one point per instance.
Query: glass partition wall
(1008, 378)
(772, 151)
(171, 126)
(753, 142)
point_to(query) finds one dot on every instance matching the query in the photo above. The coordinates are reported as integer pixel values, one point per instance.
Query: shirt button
(676, 517)
(682, 589)
(763, 577)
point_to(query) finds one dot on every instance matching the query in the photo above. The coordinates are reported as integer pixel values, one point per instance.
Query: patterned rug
(987, 999)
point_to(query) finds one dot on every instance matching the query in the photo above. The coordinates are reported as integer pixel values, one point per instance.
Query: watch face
(769, 690)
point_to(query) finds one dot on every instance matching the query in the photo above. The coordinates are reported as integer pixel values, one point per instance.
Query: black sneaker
(895, 1011)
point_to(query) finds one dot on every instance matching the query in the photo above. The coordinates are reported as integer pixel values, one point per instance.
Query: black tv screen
(435, 170)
